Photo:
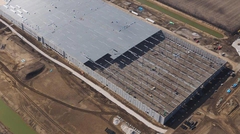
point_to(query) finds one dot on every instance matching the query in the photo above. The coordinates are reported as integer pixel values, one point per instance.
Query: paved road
(94, 86)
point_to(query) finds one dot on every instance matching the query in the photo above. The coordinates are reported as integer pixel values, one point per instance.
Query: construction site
(156, 73)
(148, 60)
(161, 74)
(50, 99)
(219, 114)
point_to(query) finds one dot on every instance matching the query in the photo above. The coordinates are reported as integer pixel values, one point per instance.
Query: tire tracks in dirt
(16, 81)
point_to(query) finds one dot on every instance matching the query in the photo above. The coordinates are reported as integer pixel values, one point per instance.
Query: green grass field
(181, 18)
(13, 121)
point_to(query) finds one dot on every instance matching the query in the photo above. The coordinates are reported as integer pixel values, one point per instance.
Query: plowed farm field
(223, 14)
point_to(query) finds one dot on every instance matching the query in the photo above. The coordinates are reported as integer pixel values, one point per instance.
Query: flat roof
(82, 28)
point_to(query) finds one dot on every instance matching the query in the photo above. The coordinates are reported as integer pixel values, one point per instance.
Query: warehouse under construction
(152, 69)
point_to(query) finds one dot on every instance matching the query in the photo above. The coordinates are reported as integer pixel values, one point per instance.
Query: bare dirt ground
(219, 114)
(49, 98)
(4, 130)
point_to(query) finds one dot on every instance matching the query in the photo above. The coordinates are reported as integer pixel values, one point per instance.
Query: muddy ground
(49, 98)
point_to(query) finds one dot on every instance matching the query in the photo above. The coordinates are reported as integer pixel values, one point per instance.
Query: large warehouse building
(150, 68)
